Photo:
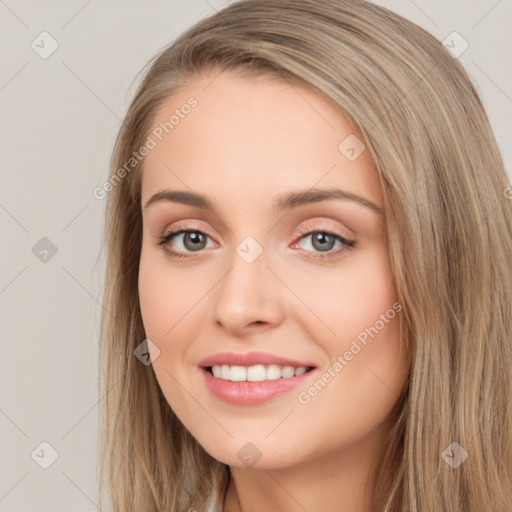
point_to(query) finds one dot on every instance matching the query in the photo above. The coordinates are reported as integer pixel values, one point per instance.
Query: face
(303, 282)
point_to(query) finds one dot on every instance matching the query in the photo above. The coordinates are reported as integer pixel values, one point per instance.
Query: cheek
(350, 299)
(360, 384)
(167, 302)
(361, 314)
(164, 295)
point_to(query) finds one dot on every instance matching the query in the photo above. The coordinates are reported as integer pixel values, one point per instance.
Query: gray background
(59, 119)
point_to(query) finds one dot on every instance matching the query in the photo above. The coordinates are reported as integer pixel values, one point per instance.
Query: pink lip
(251, 393)
(250, 359)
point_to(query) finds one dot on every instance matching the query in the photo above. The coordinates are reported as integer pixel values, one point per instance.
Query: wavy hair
(449, 226)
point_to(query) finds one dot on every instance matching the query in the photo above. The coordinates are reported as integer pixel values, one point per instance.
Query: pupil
(195, 238)
(324, 240)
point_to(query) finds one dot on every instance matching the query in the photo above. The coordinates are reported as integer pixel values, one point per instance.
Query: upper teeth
(255, 373)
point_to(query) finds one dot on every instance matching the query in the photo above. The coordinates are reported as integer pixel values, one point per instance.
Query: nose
(249, 297)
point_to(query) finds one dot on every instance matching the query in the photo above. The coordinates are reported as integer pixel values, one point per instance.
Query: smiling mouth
(256, 373)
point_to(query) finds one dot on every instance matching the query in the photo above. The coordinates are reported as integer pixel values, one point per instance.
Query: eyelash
(347, 244)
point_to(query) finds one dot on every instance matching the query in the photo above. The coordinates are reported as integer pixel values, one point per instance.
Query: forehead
(252, 138)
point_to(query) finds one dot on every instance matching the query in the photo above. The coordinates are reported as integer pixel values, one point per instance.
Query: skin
(245, 142)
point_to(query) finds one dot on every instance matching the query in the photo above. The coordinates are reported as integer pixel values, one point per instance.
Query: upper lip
(250, 359)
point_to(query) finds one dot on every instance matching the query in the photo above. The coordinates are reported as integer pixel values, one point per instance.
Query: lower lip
(251, 393)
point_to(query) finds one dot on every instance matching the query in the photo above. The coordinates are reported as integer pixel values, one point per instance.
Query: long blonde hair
(449, 226)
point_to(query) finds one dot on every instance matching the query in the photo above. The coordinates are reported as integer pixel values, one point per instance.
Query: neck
(329, 482)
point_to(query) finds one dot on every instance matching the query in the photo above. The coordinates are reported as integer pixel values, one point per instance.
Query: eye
(192, 240)
(324, 241)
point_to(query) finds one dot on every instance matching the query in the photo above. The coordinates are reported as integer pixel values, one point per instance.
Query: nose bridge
(247, 293)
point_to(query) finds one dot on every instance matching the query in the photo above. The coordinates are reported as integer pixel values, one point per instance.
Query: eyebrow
(281, 202)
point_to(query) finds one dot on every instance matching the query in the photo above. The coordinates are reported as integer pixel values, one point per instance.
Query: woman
(340, 341)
